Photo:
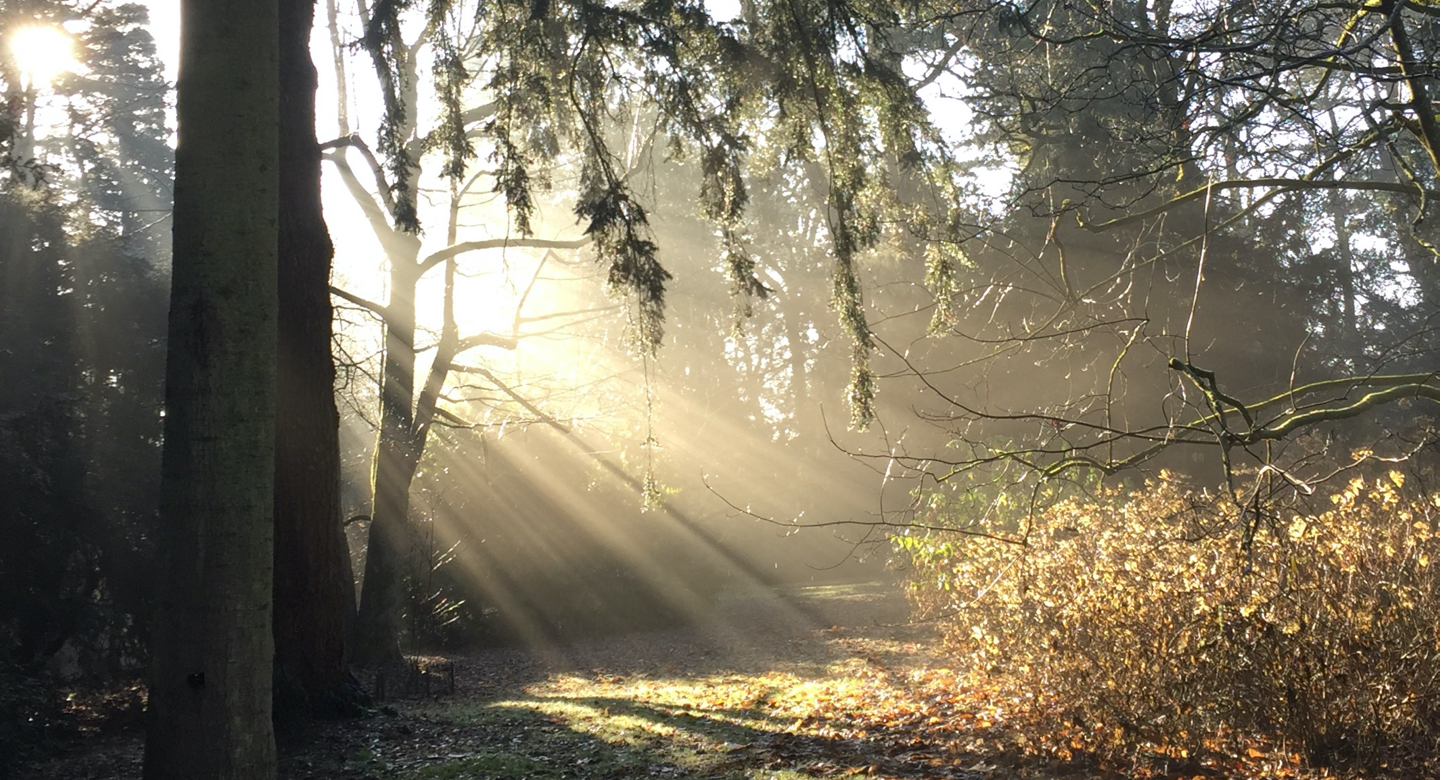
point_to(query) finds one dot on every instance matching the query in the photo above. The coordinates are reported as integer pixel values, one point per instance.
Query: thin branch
(942, 66)
(514, 396)
(379, 310)
(442, 255)
(486, 339)
(354, 141)
(572, 313)
(1284, 185)
(879, 523)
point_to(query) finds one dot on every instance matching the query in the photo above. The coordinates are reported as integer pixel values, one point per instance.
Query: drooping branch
(485, 339)
(510, 392)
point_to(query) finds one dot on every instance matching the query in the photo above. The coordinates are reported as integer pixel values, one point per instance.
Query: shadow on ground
(779, 685)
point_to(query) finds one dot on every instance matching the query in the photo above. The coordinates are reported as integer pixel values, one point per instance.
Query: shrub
(1177, 618)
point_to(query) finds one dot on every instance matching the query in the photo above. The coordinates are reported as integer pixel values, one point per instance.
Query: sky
(165, 26)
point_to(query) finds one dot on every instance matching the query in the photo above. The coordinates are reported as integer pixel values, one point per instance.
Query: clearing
(797, 684)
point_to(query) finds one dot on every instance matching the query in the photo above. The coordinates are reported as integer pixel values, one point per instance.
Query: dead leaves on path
(871, 714)
(875, 701)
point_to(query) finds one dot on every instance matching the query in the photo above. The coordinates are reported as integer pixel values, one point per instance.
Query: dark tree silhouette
(210, 683)
(313, 596)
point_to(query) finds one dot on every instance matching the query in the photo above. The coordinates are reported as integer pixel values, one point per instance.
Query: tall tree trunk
(210, 685)
(311, 580)
(378, 624)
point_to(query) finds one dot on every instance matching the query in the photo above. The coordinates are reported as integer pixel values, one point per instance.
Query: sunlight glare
(42, 52)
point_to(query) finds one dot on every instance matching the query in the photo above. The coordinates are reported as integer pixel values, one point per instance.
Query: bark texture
(311, 571)
(210, 686)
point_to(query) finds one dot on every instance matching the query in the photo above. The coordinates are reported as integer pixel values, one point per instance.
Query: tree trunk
(379, 623)
(210, 685)
(380, 620)
(310, 551)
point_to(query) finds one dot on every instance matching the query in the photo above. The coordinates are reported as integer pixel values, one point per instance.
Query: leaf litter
(801, 684)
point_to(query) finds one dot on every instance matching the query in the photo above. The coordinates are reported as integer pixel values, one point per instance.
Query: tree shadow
(677, 742)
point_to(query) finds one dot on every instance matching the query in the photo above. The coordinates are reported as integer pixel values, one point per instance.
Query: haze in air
(800, 390)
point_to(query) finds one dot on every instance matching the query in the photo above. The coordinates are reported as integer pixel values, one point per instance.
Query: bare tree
(1157, 285)
(410, 405)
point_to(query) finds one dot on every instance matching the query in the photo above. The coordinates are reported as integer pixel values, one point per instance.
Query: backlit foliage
(1167, 616)
(813, 89)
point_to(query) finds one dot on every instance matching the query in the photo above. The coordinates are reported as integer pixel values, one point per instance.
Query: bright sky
(41, 52)
(165, 26)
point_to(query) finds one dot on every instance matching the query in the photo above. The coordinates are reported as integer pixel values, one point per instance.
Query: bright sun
(42, 52)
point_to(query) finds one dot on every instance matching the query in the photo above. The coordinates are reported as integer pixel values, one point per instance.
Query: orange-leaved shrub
(1173, 617)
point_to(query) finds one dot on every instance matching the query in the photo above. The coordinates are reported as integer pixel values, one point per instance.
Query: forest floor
(801, 684)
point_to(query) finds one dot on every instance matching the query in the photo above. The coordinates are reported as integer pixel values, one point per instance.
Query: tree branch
(880, 523)
(942, 66)
(354, 141)
(485, 339)
(1396, 387)
(442, 255)
(379, 310)
(399, 246)
(1362, 404)
(1283, 185)
(514, 396)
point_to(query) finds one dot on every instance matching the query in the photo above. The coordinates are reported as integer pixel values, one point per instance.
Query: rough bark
(311, 559)
(210, 686)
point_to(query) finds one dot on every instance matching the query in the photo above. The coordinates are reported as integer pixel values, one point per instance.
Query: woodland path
(801, 684)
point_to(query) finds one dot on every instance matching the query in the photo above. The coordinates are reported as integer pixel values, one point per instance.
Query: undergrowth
(1172, 619)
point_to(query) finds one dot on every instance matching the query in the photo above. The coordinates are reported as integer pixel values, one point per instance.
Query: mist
(715, 390)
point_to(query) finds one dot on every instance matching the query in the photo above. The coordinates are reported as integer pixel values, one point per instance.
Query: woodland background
(1109, 331)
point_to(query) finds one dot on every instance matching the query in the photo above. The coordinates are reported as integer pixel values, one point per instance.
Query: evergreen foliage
(83, 245)
(807, 85)
(82, 321)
